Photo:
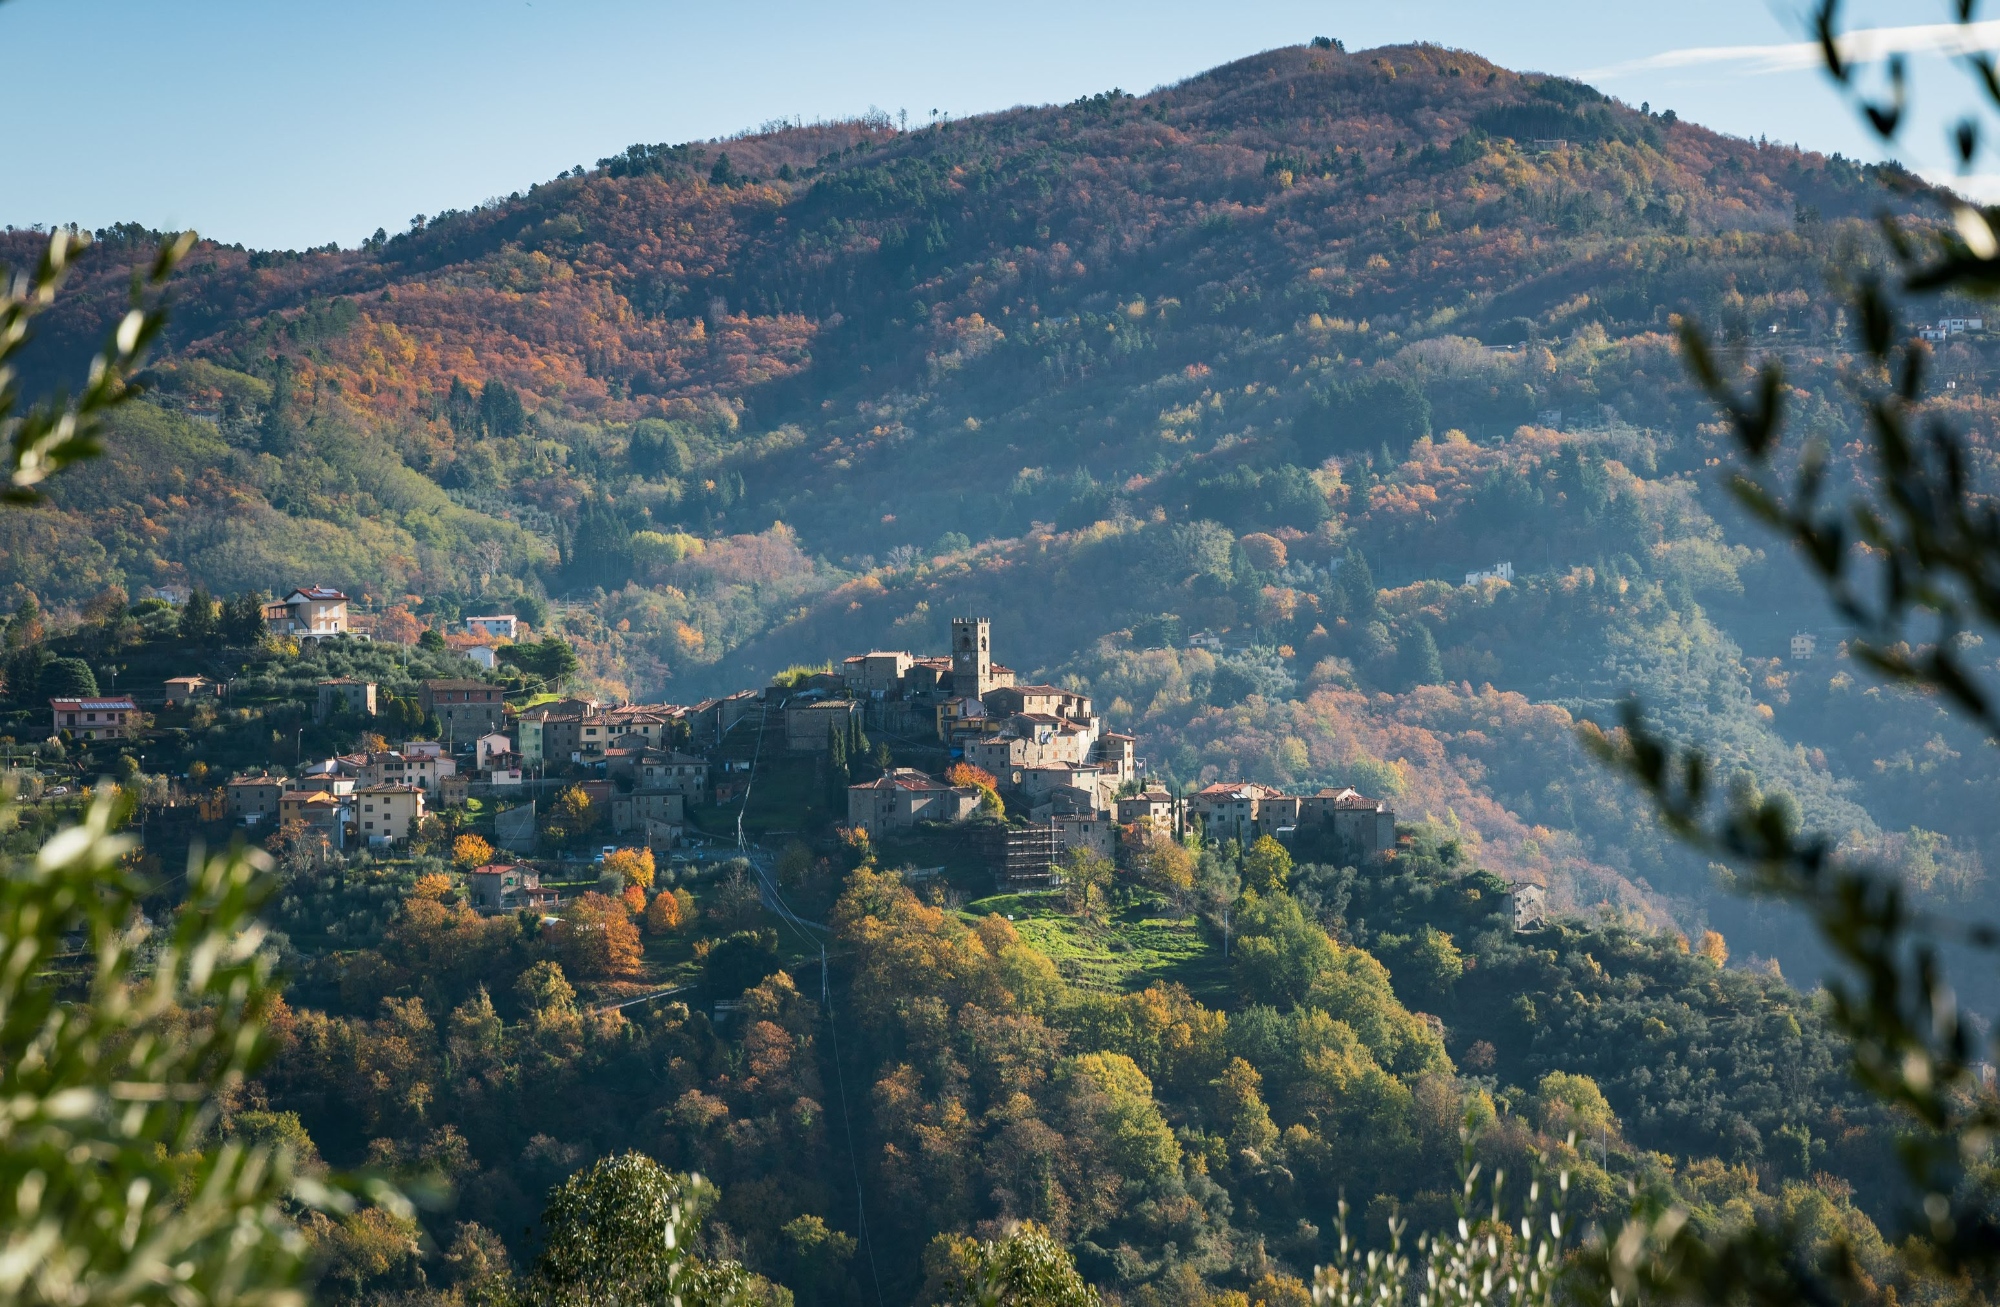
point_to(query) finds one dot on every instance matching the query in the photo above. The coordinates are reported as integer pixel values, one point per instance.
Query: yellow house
(388, 812)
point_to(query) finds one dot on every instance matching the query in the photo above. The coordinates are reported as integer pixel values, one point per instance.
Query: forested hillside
(1280, 352)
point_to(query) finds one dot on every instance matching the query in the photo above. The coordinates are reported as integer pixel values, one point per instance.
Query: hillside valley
(1320, 421)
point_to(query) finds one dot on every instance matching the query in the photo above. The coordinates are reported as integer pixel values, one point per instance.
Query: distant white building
(1804, 645)
(1945, 327)
(484, 656)
(500, 626)
(1497, 572)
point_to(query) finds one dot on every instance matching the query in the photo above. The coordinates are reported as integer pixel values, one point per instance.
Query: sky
(291, 123)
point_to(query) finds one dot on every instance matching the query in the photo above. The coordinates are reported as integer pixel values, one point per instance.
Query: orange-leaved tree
(635, 865)
(964, 773)
(663, 914)
(595, 938)
(469, 851)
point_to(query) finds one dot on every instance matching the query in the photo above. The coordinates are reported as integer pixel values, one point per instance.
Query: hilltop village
(944, 751)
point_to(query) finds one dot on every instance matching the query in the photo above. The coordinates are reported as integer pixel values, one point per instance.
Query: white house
(484, 656)
(1497, 572)
(310, 612)
(500, 626)
(1804, 646)
(487, 747)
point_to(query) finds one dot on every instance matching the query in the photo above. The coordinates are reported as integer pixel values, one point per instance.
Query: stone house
(502, 887)
(904, 796)
(1094, 831)
(357, 696)
(466, 709)
(633, 811)
(183, 690)
(1031, 741)
(1241, 810)
(551, 732)
(255, 799)
(809, 727)
(676, 773)
(877, 672)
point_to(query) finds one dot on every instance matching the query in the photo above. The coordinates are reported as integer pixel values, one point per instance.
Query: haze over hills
(1227, 356)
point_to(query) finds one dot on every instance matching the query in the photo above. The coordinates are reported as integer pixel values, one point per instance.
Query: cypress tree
(837, 771)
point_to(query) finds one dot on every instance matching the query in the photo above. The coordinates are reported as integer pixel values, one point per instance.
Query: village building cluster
(1047, 745)
(1040, 752)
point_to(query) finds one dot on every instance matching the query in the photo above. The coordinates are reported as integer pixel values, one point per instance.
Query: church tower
(971, 659)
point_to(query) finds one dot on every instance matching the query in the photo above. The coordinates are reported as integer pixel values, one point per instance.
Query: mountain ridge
(1186, 355)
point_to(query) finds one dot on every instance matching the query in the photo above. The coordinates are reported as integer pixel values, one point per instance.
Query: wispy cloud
(1864, 45)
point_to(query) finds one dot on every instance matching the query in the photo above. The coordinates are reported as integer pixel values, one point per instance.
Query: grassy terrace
(1140, 943)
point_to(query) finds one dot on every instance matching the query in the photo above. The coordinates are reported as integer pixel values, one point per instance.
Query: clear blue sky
(285, 123)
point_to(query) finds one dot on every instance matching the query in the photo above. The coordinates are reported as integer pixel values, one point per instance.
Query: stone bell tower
(971, 658)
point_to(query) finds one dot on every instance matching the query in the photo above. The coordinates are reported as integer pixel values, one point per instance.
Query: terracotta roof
(902, 778)
(71, 705)
(319, 593)
(1238, 789)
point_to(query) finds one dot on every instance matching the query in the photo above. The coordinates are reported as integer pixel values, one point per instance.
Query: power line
(774, 899)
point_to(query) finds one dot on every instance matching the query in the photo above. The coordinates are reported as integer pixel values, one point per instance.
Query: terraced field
(1139, 944)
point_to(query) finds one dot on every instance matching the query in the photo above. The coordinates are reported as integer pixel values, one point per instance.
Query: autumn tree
(965, 774)
(1086, 875)
(573, 815)
(1267, 866)
(432, 885)
(1166, 865)
(635, 865)
(595, 938)
(469, 851)
(663, 914)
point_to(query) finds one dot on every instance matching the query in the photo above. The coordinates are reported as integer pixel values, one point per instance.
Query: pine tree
(197, 624)
(1420, 657)
(500, 410)
(1359, 584)
(243, 618)
(461, 409)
